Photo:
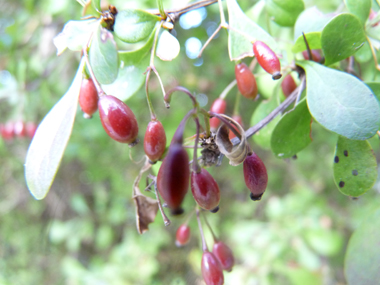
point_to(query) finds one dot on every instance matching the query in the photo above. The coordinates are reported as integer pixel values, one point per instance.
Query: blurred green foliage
(84, 231)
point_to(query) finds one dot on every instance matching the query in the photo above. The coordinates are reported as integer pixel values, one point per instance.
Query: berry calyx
(315, 54)
(88, 98)
(118, 120)
(255, 176)
(288, 85)
(205, 190)
(218, 106)
(267, 59)
(246, 81)
(154, 140)
(224, 254)
(238, 119)
(173, 177)
(212, 271)
(182, 235)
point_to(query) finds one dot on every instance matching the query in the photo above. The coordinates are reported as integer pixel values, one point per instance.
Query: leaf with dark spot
(336, 159)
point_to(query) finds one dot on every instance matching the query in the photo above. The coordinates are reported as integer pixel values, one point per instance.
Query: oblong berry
(182, 235)
(315, 54)
(218, 106)
(30, 129)
(88, 97)
(7, 131)
(267, 59)
(154, 140)
(205, 190)
(117, 119)
(288, 85)
(173, 177)
(255, 175)
(224, 254)
(246, 81)
(212, 271)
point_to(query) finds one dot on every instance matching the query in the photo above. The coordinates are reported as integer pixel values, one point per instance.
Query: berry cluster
(18, 129)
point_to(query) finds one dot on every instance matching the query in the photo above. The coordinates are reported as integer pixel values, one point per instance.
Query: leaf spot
(355, 172)
(345, 153)
(336, 159)
(341, 184)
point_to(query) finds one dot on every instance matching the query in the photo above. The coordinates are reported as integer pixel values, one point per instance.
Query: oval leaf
(235, 153)
(48, 145)
(74, 35)
(104, 57)
(313, 39)
(362, 258)
(167, 46)
(355, 167)
(131, 76)
(293, 132)
(262, 137)
(342, 37)
(132, 26)
(360, 8)
(340, 102)
(284, 12)
(240, 46)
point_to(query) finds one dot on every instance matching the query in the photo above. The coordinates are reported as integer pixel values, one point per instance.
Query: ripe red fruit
(30, 129)
(182, 235)
(173, 177)
(246, 81)
(224, 254)
(372, 15)
(218, 106)
(267, 59)
(205, 190)
(118, 120)
(238, 119)
(19, 129)
(315, 54)
(6, 131)
(211, 269)
(154, 140)
(255, 176)
(288, 85)
(88, 98)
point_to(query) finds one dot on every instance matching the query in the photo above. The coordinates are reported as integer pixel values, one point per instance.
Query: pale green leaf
(48, 145)
(284, 12)
(360, 8)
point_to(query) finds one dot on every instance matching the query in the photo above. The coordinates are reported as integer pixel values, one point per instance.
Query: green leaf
(324, 242)
(342, 37)
(293, 132)
(48, 145)
(96, 5)
(310, 20)
(104, 57)
(262, 138)
(74, 35)
(131, 72)
(340, 102)
(360, 8)
(364, 54)
(375, 87)
(355, 167)
(240, 46)
(362, 258)
(284, 12)
(167, 47)
(313, 39)
(161, 7)
(132, 26)
(374, 32)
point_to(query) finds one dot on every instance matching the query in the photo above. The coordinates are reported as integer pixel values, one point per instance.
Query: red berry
(117, 119)
(372, 15)
(212, 271)
(182, 235)
(255, 176)
(7, 132)
(218, 106)
(88, 98)
(267, 59)
(19, 129)
(315, 54)
(30, 129)
(238, 119)
(205, 190)
(154, 140)
(173, 177)
(224, 254)
(288, 85)
(246, 81)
